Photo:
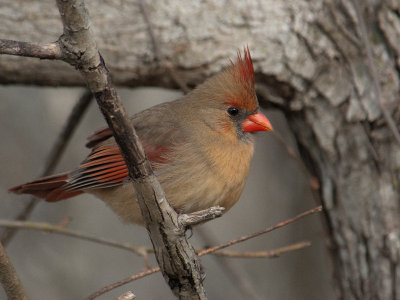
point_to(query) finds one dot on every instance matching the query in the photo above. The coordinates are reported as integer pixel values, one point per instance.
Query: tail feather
(51, 188)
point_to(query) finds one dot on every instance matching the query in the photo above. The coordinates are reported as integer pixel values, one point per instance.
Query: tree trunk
(332, 66)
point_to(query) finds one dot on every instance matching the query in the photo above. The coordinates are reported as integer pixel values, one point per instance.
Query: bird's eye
(233, 111)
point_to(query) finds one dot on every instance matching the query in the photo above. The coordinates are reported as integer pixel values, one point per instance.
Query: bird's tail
(51, 188)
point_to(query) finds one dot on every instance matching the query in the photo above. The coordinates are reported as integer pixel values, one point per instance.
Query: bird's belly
(196, 193)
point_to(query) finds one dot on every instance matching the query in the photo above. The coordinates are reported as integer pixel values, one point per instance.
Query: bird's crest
(244, 67)
(243, 74)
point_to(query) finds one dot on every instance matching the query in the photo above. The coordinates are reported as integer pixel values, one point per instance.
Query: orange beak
(256, 122)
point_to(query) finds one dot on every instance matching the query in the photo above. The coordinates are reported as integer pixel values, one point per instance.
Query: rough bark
(311, 61)
(340, 126)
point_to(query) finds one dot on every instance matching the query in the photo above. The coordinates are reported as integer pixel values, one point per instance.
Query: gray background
(58, 267)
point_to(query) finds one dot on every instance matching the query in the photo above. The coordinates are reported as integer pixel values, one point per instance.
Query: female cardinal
(200, 147)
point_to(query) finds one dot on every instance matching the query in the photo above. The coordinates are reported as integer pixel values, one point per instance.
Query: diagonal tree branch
(9, 278)
(176, 257)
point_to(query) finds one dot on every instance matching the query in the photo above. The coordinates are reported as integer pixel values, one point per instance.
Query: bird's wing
(105, 166)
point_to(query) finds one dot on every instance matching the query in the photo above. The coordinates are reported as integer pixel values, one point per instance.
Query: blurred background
(58, 267)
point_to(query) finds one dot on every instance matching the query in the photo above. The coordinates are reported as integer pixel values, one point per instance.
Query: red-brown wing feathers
(51, 188)
(105, 166)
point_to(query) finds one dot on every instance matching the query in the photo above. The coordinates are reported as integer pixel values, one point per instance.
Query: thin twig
(253, 235)
(54, 156)
(9, 278)
(205, 252)
(68, 232)
(263, 254)
(122, 282)
(8, 234)
(373, 72)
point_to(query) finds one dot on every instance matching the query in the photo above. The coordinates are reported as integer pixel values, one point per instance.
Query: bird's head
(232, 98)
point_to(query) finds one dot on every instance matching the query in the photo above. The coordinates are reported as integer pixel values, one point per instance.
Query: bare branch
(122, 282)
(176, 257)
(54, 156)
(212, 250)
(200, 216)
(68, 232)
(9, 278)
(263, 254)
(269, 229)
(44, 51)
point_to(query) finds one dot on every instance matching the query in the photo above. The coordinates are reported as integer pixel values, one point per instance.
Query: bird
(200, 147)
